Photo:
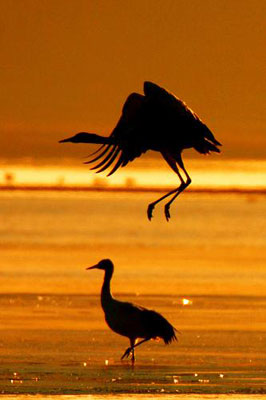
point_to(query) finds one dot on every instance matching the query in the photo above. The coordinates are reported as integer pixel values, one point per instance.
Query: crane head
(105, 265)
(82, 137)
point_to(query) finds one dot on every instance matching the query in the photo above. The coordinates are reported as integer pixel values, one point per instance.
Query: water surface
(212, 253)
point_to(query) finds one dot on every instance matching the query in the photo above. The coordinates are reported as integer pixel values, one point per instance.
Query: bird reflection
(131, 320)
(157, 121)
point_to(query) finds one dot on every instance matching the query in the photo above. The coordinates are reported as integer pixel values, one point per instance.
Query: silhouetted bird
(129, 319)
(156, 121)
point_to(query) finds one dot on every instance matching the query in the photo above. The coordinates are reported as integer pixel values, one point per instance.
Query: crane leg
(131, 348)
(167, 205)
(181, 188)
(132, 343)
(153, 204)
(172, 163)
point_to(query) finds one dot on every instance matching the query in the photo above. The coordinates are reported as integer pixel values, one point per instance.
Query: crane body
(158, 121)
(130, 320)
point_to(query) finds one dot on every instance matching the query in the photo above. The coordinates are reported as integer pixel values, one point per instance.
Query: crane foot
(167, 212)
(126, 353)
(150, 210)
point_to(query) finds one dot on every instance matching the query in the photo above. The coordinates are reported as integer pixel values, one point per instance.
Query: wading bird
(157, 121)
(131, 320)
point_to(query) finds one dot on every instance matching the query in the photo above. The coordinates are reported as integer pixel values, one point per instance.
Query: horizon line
(137, 189)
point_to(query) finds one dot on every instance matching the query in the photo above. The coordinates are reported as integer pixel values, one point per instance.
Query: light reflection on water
(204, 270)
(212, 244)
(138, 396)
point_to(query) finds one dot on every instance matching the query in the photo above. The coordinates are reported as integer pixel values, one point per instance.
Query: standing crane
(131, 320)
(159, 121)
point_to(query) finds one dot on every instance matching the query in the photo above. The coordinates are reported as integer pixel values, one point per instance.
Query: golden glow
(68, 66)
(204, 174)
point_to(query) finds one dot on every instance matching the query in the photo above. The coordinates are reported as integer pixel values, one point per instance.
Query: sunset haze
(68, 66)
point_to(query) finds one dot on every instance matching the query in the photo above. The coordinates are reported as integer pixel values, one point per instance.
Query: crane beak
(93, 267)
(65, 140)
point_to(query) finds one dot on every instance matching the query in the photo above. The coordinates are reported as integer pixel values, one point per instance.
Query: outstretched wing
(178, 113)
(169, 104)
(140, 127)
(127, 140)
(152, 121)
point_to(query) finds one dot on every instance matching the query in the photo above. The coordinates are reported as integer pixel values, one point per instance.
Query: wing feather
(106, 148)
(117, 165)
(110, 161)
(106, 158)
(127, 135)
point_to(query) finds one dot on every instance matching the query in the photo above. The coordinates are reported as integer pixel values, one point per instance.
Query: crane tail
(209, 136)
(212, 147)
(205, 147)
(170, 336)
(158, 326)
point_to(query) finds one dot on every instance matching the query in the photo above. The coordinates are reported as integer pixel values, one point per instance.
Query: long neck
(106, 295)
(93, 138)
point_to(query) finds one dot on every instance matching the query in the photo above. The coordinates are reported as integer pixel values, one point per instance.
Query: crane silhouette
(131, 320)
(158, 121)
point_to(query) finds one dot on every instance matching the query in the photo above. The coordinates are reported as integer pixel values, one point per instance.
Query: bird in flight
(158, 121)
(131, 320)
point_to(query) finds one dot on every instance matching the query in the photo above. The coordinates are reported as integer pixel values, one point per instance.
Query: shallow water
(212, 253)
(60, 344)
(213, 244)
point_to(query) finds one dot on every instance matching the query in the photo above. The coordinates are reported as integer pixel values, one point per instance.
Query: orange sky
(68, 66)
